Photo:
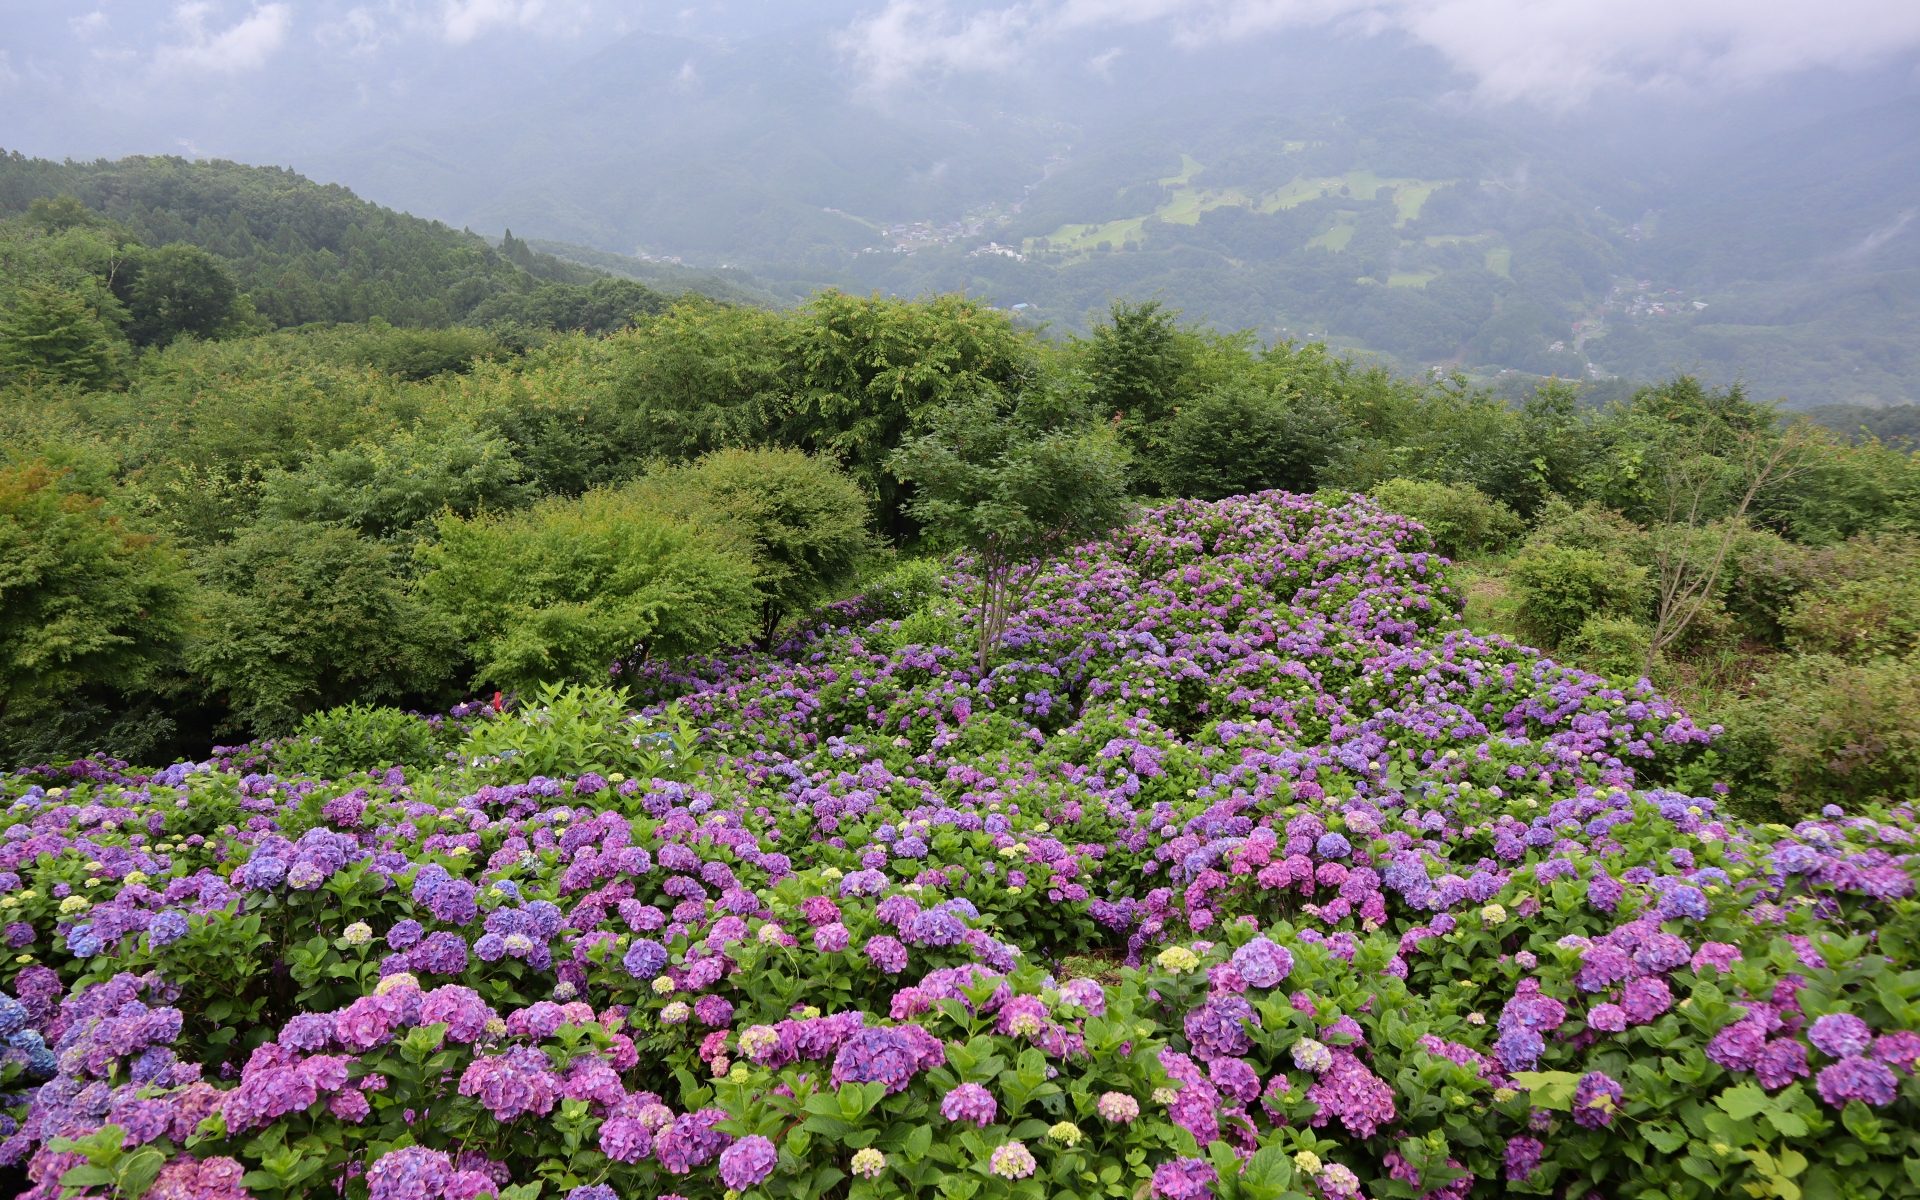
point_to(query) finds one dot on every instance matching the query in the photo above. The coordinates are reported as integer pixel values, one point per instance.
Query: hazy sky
(1550, 53)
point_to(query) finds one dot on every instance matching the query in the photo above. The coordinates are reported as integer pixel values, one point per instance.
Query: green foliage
(179, 289)
(907, 587)
(1013, 480)
(1244, 438)
(302, 251)
(415, 354)
(296, 617)
(567, 729)
(1823, 730)
(47, 333)
(339, 742)
(866, 373)
(1560, 588)
(1857, 619)
(392, 488)
(1137, 363)
(85, 603)
(803, 519)
(563, 590)
(1460, 517)
(1612, 646)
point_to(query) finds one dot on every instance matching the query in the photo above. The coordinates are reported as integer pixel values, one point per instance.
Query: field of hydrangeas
(1246, 872)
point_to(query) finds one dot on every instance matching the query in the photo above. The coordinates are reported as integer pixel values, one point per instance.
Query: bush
(1461, 518)
(1237, 440)
(357, 737)
(1591, 527)
(297, 617)
(1560, 588)
(1857, 620)
(907, 588)
(1612, 646)
(571, 729)
(1764, 573)
(1837, 732)
(393, 487)
(565, 589)
(803, 518)
(87, 606)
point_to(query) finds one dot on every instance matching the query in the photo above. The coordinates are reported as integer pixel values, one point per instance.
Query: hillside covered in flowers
(1246, 871)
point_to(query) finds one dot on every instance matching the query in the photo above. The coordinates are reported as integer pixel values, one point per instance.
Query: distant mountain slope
(729, 284)
(303, 251)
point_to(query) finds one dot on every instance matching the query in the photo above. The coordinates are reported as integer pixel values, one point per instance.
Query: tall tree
(1013, 479)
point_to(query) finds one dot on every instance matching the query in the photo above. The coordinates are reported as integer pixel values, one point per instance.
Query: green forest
(266, 451)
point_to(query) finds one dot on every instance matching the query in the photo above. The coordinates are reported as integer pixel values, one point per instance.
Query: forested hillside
(297, 251)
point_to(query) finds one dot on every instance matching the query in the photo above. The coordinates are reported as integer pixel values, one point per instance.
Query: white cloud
(89, 25)
(1554, 51)
(462, 21)
(245, 45)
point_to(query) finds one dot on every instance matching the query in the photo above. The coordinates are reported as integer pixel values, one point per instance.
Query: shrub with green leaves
(395, 486)
(1821, 730)
(1244, 438)
(1461, 518)
(573, 728)
(802, 517)
(87, 605)
(359, 737)
(295, 617)
(563, 590)
(1561, 588)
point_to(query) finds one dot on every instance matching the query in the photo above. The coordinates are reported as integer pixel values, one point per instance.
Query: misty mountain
(1350, 180)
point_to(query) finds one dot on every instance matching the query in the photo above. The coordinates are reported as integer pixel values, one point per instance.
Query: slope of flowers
(1246, 872)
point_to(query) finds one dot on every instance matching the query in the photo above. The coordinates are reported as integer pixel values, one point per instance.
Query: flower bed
(1247, 872)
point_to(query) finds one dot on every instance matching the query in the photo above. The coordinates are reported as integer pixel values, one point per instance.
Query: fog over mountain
(1569, 187)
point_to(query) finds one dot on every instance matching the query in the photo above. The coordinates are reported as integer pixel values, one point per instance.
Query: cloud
(244, 46)
(912, 38)
(462, 21)
(90, 25)
(1556, 52)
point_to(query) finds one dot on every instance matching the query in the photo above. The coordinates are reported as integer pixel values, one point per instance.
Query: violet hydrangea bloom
(969, 1102)
(1840, 1035)
(1595, 1100)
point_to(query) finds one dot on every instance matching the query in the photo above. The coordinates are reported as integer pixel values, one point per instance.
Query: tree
(180, 289)
(48, 332)
(84, 602)
(1242, 438)
(804, 519)
(1705, 498)
(297, 617)
(394, 487)
(866, 371)
(567, 588)
(1137, 363)
(1013, 479)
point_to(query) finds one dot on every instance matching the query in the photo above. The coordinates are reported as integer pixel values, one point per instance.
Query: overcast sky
(1552, 53)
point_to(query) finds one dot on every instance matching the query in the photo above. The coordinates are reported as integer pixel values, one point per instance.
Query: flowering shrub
(1244, 871)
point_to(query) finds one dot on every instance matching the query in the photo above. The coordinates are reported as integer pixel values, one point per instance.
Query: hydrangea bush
(1246, 871)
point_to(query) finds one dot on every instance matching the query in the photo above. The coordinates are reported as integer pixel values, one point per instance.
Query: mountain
(303, 251)
(1338, 185)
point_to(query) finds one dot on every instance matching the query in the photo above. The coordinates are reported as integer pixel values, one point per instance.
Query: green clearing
(1500, 260)
(1187, 203)
(1411, 279)
(1336, 237)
